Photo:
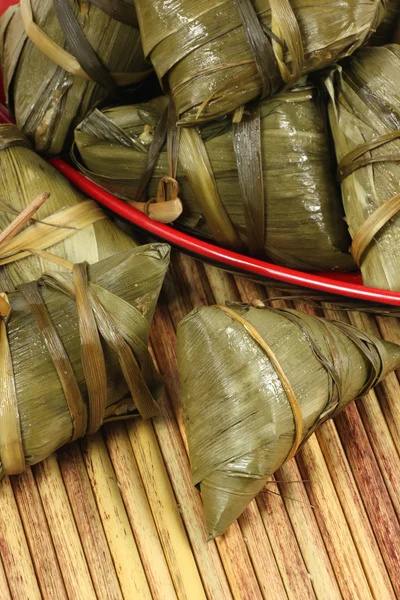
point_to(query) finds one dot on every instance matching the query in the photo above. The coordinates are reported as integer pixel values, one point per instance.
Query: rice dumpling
(234, 186)
(68, 224)
(255, 383)
(364, 114)
(60, 58)
(216, 56)
(384, 33)
(74, 353)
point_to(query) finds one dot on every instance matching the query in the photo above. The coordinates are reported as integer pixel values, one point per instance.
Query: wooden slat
(237, 563)
(14, 549)
(139, 512)
(190, 506)
(310, 540)
(116, 524)
(66, 540)
(88, 522)
(284, 544)
(353, 508)
(4, 587)
(332, 523)
(165, 509)
(261, 555)
(372, 487)
(37, 532)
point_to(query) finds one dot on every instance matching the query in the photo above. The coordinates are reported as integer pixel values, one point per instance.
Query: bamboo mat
(116, 516)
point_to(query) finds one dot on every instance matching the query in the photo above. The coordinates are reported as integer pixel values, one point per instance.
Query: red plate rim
(337, 283)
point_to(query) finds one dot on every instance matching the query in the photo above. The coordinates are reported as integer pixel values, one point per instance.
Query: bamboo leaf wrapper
(364, 114)
(61, 58)
(300, 201)
(386, 30)
(67, 224)
(47, 393)
(216, 56)
(255, 383)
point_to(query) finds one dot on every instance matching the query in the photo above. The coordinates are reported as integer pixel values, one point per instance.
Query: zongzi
(255, 383)
(266, 184)
(216, 56)
(71, 226)
(60, 58)
(73, 353)
(364, 114)
(384, 33)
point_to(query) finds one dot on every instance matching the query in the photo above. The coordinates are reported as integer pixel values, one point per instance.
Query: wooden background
(116, 516)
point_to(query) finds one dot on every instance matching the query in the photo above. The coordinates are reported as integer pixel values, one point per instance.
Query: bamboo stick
(222, 285)
(389, 328)
(237, 563)
(261, 555)
(139, 512)
(163, 343)
(353, 508)
(191, 274)
(388, 393)
(89, 523)
(4, 588)
(116, 525)
(165, 510)
(14, 550)
(332, 523)
(38, 536)
(189, 502)
(382, 444)
(309, 538)
(284, 544)
(67, 542)
(373, 490)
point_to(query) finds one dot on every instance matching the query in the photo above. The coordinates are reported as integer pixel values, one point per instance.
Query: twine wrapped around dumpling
(60, 58)
(364, 113)
(74, 353)
(68, 224)
(235, 187)
(216, 56)
(255, 383)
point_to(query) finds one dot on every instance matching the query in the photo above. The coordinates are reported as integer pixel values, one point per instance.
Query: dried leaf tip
(19, 223)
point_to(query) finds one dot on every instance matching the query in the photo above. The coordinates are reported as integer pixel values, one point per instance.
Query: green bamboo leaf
(255, 383)
(47, 100)
(301, 216)
(364, 114)
(50, 349)
(85, 235)
(213, 59)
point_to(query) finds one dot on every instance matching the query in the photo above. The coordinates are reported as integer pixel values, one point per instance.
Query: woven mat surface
(116, 516)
